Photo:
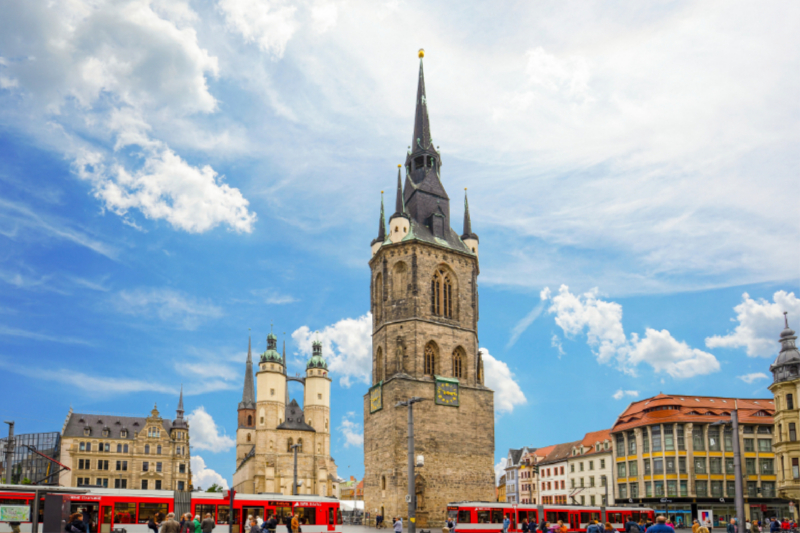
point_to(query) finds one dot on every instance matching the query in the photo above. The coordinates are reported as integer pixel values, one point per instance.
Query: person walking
(731, 526)
(187, 526)
(295, 524)
(756, 527)
(609, 527)
(153, 523)
(660, 526)
(208, 524)
(695, 525)
(506, 521)
(630, 525)
(398, 525)
(525, 527)
(774, 525)
(561, 527)
(198, 525)
(543, 525)
(75, 524)
(593, 527)
(170, 525)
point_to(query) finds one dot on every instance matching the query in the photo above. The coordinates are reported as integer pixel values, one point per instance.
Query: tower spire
(381, 225)
(179, 410)
(422, 126)
(248, 392)
(400, 203)
(467, 235)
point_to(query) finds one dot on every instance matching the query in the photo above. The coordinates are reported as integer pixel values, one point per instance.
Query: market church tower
(424, 302)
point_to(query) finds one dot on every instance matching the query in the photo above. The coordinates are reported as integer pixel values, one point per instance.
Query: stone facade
(269, 425)
(126, 452)
(424, 302)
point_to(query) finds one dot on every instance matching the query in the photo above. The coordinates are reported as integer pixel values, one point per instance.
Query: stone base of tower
(457, 443)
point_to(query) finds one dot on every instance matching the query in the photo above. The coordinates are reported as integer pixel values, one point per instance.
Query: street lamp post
(9, 452)
(737, 466)
(605, 500)
(294, 483)
(412, 493)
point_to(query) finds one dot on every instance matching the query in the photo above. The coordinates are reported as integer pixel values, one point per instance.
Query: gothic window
(383, 482)
(289, 444)
(400, 280)
(248, 437)
(378, 296)
(442, 294)
(458, 361)
(430, 359)
(249, 420)
(379, 366)
(299, 445)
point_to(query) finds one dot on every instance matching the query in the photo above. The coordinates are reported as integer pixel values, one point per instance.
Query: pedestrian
(593, 527)
(14, 527)
(295, 523)
(643, 526)
(609, 527)
(630, 525)
(695, 525)
(247, 523)
(670, 524)
(660, 526)
(208, 523)
(272, 524)
(75, 524)
(731, 526)
(152, 523)
(170, 525)
(561, 527)
(506, 522)
(398, 525)
(774, 525)
(187, 526)
(543, 525)
(198, 525)
(756, 527)
(785, 524)
(259, 521)
(708, 525)
(525, 527)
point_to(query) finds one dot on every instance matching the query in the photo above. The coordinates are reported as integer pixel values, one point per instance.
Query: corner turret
(469, 238)
(399, 223)
(378, 241)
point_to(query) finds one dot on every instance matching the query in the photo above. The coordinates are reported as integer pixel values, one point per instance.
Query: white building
(554, 473)
(590, 470)
(513, 463)
(528, 481)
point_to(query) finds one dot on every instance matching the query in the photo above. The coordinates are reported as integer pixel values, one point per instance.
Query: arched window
(383, 482)
(299, 445)
(442, 293)
(249, 420)
(399, 280)
(147, 449)
(248, 437)
(326, 423)
(289, 444)
(458, 362)
(430, 359)
(379, 365)
(378, 298)
(158, 449)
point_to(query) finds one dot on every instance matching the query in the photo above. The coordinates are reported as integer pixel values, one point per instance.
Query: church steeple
(469, 238)
(399, 204)
(248, 392)
(381, 225)
(422, 125)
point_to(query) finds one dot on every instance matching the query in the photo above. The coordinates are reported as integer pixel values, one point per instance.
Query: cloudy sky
(177, 175)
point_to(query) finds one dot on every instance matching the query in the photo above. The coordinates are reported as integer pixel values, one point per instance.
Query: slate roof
(561, 452)
(295, 419)
(77, 422)
(248, 392)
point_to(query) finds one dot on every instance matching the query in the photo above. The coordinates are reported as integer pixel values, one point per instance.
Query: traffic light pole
(412, 493)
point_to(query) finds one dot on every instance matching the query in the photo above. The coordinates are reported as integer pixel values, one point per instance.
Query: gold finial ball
(381, 192)
(421, 53)
(398, 166)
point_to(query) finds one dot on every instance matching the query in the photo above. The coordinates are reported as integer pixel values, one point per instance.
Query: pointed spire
(422, 126)
(467, 221)
(381, 225)
(400, 203)
(179, 410)
(786, 318)
(248, 391)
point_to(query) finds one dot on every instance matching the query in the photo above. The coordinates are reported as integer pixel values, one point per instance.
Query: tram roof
(548, 507)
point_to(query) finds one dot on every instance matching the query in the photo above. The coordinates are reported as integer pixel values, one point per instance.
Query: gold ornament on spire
(421, 53)
(399, 165)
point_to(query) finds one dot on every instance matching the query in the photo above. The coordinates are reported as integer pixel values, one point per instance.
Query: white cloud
(269, 23)
(168, 305)
(203, 476)
(500, 470)
(351, 430)
(16, 332)
(602, 323)
(622, 393)
(346, 345)
(555, 342)
(524, 324)
(205, 433)
(273, 296)
(749, 378)
(759, 323)
(499, 378)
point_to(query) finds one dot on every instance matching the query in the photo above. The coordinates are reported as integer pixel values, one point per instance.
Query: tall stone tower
(786, 389)
(317, 400)
(245, 428)
(424, 301)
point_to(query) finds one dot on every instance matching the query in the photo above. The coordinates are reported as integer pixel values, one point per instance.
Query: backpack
(635, 529)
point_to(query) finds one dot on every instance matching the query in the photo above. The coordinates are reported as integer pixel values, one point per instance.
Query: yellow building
(270, 426)
(668, 448)
(501, 489)
(126, 452)
(785, 388)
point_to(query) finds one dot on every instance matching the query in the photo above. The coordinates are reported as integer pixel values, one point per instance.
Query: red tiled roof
(702, 409)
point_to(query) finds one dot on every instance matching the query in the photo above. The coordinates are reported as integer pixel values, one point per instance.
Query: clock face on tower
(376, 398)
(446, 391)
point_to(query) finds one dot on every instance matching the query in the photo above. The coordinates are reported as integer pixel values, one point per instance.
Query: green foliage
(214, 488)
(26, 481)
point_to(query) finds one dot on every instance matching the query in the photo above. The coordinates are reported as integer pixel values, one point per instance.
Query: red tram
(131, 509)
(487, 517)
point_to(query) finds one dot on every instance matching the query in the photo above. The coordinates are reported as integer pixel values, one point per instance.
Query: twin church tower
(424, 302)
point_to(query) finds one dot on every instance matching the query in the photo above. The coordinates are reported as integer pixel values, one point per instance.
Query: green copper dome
(271, 355)
(316, 361)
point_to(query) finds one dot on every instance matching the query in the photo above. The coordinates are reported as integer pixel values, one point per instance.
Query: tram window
(223, 513)
(146, 510)
(203, 509)
(254, 511)
(464, 517)
(124, 513)
(306, 515)
(497, 516)
(636, 516)
(483, 517)
(339, 517)
(587, 517)
(615, 518)
(282, 514)
(555, 516)
(330, 515)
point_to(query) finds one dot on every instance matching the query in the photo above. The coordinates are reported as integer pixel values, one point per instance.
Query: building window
(767, 466)
(572, 467)
(792, 431)
(702, 489)
(715, 465)
(82, 447)
(684, 488)
(623, 490)
(581, 482)
(670, 462)
(158, 449)
(621, 470)
(631, 443)
(658, 487)
(581, 465)
(749, 445)
(83, 464)
(620, 445)
(700, 465)
(430, 359)
(88, 446)
(289, 444)
(716, 489)
(144, 484)
(658, 466)
(158, 467)
(182, 468)
(591, 501)
(602, 463)
(457, 362)
(158, 484)
(713, 439)
(181, 485)
(122, 466)
(102, 465)
(672, 487)
(682, 465)
(147, 449)
(656, 435)
(698, 442)
(669, 438)
(728, 439)
(645, 441)
(768, 489)
(562, 473)
(378, 295)
(591, 481)
(120, 483)
(789, 401)
(679, 434)
(572, 483)
(764, 445)
(729, 465)
(145, 466)
(124, 433)
(752, 489)
(591, 465)
(750, 467)
(634, 490)
(647, 470)
(442, 294)
(730, 488)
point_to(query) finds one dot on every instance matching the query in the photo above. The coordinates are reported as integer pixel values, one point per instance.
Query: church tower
(245, 431)
(424, 302)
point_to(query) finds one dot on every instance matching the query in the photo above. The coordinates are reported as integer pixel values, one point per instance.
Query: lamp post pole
(605, 501)
(9, 452)
(737, 466)
(412, 493)
(294, 483)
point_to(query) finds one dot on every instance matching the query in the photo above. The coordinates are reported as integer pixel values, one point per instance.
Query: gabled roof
(77, 422)
(295, 419)
(592, 438)
(560, 452)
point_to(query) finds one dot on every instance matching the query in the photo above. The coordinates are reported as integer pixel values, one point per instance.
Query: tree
(214, 488)
(26, 481)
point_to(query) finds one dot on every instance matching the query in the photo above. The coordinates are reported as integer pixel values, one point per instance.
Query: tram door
(106, 519)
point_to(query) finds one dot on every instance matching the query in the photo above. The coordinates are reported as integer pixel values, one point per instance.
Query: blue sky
(175, 176)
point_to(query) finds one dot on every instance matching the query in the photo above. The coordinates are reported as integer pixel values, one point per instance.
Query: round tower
(271, 387)
(317, 400)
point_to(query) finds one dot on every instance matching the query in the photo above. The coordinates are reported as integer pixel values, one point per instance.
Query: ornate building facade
(786, 388)
(270, 426)
(126, 452)
(424, 302)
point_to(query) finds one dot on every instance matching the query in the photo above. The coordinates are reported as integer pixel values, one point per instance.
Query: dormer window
(106, 432)
(87, 431)
(123, 433)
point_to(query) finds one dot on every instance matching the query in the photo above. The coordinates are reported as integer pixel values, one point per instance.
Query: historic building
(668, 450)
(126, 452)
(271, 428)
(424, 302)
(786, 390)
(528, 479)
(514, 468)
(591, 470)
(554, 474)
